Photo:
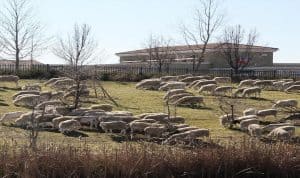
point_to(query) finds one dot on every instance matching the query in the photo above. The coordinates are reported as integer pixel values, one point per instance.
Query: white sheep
(180, 126)
(222, 90)
(184, 129)
(146, 120)
(149, 84)
(190, 100)
(26, 118)
(105, 107)
(114, 125)
(287, 85)
(189, 80)
(270, 127)
(177, 119)
(241, 118)
(63, 83)
(255, 130)
(25, 93)
(119, 113)
(293, 88)
(180, 77)
(263, 83)
(172, 85)
(9, 78)
(191, 85)
(280, 134)
(251, 91)
(27, 100)
(246, 83)
(245, 123)
(222, 79)
(7, 117)
(202, 83)
(157, 116)
(138, 127)
(168, 78)
(290, 129)
(207, 88)
(60, 119)
(249, 111)
(46, 125)
(289, 103)
(69, 125)
(176, 97)
(34, 86)
(126, 119)
(267, 112)
(154, 131)
(49, 103)
(52, 80)
(190, 136)
(170, 93)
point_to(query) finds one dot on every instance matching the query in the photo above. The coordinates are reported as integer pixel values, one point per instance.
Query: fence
(126, 70)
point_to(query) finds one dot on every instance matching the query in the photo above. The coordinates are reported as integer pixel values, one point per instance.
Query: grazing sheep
(9, 78)
(263, 83)
(278, 85)
(207, 88)
(255, 130)
(245, 123)
(177, 119)
(191, 85)
(289, 103)
(270, 127)
(168, 78)
(69, 125)
(251, 91)
(176, 97)
(119, 113)
(246, 83)
(239, 92)
(267, 112)
(49, 103)
(293, 88)
(62, 110)
(180, 126)
(249, 111)
(189, 80)
(25, 118)
(290, 129)
(11, 116)
(105, 107)
(241, 118)
(53, 80)
(45, 96)
(190, 100)
(184, 129)
(146, 120)
(57, 95)
(172, 85)
(279, 134)
(190, 136)
(157, 116)
(45, 125)
(170, 93)
(34, 87)
(227, 119)
(91, 121)
(126, 119)
(60, 119)
(202, 83)
(221, 91)
(46, 117)
(138, 127)
(149, 84)
(180, 77)
(153, 131)
(222, 79)
(25, 93)
(109, 127)
(27, 100)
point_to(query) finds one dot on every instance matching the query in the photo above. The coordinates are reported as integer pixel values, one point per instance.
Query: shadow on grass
(197, 107)
(260, 99)
(3, 104)
(10, 88)
(75, 134)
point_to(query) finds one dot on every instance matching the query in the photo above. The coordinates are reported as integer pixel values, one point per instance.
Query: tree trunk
(17, 60)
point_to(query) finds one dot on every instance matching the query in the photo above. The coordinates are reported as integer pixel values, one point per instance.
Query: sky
(122, 25)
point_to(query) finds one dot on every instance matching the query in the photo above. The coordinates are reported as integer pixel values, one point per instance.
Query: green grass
(139, 101)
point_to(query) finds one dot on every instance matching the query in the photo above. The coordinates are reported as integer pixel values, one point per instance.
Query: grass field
(138, 101)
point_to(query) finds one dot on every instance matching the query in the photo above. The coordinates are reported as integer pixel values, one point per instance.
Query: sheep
(170, 93)
(153, 131)
(201, 83)
(69, 125)
(290, 129)
(189, 80)
(250, 91)
(27, 100)
(289, 103)
(62, 110)
(246, 83)
(184, 129)
(119, 113)
(168, 78)
(57, 95)
(146, 120)
(180, 126)
(287, 85)
(227, 119)
(46, 117)
(24, 93)
(176, 97)
(278, 85)
(91, 121)
(190, 100)
(82, 93)
(180, 77)
(60, 119)
(105, 107)
(207, 88)
(190, 135)
(9, 78)
(109, 127)
(255, 130)
(263, 83)
(249, 111)
(292, 88)
(35, 87)
(245, 123)
(63, 84)
(222, 79)
(25, 118)
(45, 96)
(191, 85)
(126, 119)
(239, 91)
(172, 85)
(149, 84)
(177, 119)
(241, 118)
(280, 134)
(270, 127)
(267, 112)
(53, 80)
(45, 125)
(11, 116)
(157, 116)
(49, 103)
(138, 127)
(79, 112)
(222, 90)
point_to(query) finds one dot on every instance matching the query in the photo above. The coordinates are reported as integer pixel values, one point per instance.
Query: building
(261, 56)
(22, 62)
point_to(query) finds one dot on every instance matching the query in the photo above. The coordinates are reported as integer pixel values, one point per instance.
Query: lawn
(138, 101)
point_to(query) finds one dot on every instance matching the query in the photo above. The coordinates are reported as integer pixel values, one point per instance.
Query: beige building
(261, 56)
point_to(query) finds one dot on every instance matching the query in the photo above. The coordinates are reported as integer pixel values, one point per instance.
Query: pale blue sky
(120, 25)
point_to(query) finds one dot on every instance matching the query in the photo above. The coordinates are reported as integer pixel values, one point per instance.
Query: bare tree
(207, 20)
(77, 50)
(19, 30)
(237, 47)
(160, 52)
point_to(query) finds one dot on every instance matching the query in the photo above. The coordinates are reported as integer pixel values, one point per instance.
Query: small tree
(160, 52)
(237, 47)
(207, 20)
(77, 50)
(19, 31)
